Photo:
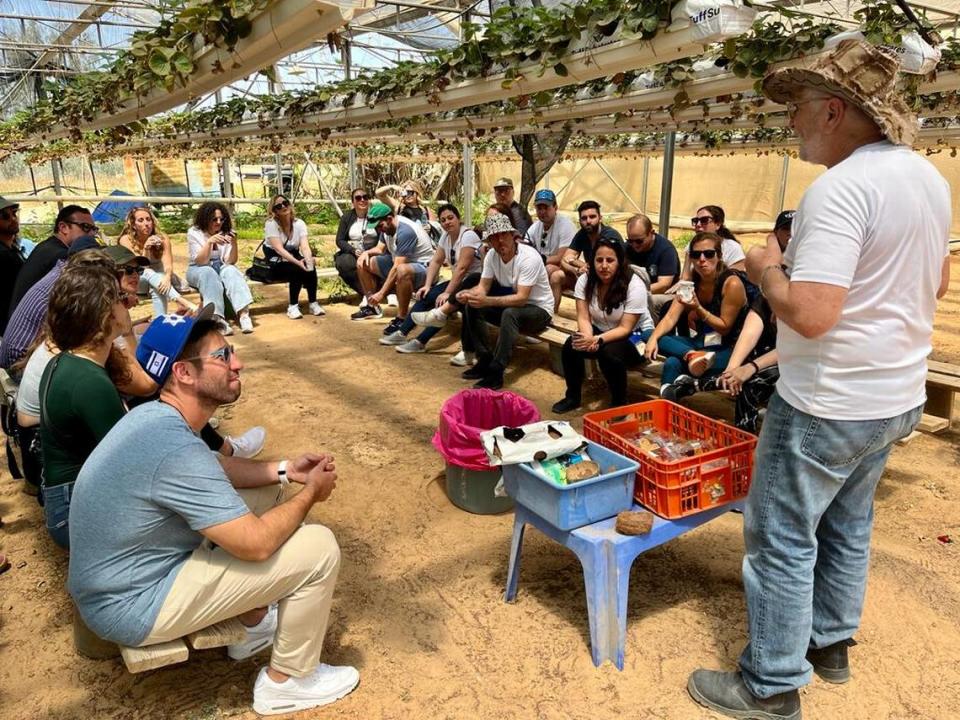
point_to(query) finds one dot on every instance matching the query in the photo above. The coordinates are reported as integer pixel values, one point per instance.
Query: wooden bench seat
(151, 657)
(943, 382)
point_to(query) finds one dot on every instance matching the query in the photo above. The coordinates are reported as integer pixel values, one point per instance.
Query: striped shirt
(27, 318)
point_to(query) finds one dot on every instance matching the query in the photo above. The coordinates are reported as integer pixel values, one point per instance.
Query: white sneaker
(317, 309)
(326, 684)
(225, 328)
(250, 443)
(394, 338)
(431, 318)
(392, 300)
(259, 637)
(293, 312)
(464, 359)
(411, 346)
(246, 323)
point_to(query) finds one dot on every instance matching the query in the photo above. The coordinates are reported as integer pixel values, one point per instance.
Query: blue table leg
(513, 572)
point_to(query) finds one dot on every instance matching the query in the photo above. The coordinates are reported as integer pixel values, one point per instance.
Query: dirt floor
(419, 605)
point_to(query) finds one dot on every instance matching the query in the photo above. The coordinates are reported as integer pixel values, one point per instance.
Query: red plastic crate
(676, 488)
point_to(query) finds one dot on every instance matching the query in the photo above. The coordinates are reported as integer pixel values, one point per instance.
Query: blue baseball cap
(163, 342)
(545, 196)
(87, 242)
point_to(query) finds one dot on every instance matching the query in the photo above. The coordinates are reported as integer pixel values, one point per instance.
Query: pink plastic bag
(468, 413)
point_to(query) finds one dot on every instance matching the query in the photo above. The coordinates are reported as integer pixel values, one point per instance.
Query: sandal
(699, 361)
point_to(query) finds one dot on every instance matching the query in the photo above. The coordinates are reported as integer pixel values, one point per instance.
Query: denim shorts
(385, 262)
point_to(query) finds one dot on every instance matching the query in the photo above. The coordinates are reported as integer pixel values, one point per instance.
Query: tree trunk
(539, 153)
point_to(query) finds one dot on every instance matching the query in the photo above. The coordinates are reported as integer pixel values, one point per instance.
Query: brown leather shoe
(831, 662)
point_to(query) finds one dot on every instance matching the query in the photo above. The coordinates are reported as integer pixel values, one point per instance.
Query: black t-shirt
(40, 262)
(661, 260)
(11, 261)
(768, 338)
(581, 241)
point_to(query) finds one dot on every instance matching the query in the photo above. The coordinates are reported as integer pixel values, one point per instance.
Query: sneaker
(392, 300)
(394, 325)
(566, 405)
(317, 309)
(326, 684)
(259, 637)
(831, 662)
(394, 338)
(683, 386)
(699, 361)
(491, 381)
(225, 328)
(293, 312)
(412, 346)
(431, 318)
(249, 444)
(246, 323)
(475, 373)
(365, 313)
(726, 693)
(463, 359)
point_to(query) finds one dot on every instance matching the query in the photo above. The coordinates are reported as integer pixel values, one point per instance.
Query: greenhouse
(670, 278)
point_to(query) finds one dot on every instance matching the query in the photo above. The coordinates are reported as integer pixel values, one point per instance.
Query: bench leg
(513, 572)
(939, 403)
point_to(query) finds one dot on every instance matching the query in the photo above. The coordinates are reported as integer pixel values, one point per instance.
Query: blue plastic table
(606, 557)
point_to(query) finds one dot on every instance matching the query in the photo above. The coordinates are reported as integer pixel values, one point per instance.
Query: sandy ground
(419, 605)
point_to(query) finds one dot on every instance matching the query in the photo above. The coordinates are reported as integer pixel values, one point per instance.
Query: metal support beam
(468, 185)
(93, 177)
(226, 180)
(666, 183)
(345, 54)
(783, 184)
(646, 183)
(57, 188)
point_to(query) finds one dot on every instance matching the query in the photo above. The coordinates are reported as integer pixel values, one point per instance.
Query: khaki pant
(213, 586)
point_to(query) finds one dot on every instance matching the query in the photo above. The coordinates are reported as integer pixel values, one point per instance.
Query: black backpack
(266, 267)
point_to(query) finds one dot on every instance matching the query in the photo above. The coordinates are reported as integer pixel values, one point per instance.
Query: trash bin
(470, 478)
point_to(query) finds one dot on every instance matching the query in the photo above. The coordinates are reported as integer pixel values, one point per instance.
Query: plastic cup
(685, 290)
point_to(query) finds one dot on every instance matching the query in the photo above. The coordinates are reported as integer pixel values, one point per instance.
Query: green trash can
(472, 490)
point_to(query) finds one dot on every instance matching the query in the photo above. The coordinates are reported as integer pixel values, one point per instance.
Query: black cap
(784, 219)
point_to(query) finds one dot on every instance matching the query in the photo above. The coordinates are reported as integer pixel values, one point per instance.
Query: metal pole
(666, 184)
(345, 54)
(783, 183)
(56, 183)
(186, 177)
(227, 181)
(93, 177)
(468, 184)
(277, 161)
(646, 182)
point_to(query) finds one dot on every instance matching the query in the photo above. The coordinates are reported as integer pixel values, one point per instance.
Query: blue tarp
(110, 211)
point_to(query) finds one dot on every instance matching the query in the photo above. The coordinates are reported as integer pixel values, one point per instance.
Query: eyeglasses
(217, 219)
(702, 219)
(360, 198)
(793, 107)
(281, 205)
(86, 227)
(132, 269)
(10, 213)
(224, 353)
(708, 254)
(636, 240)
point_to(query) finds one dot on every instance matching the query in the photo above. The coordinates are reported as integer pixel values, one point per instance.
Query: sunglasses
(224, 353)
(708, 254)
(360, 198)
(702, 220)
(132, 269)
(281, 205)
(408, 193)
(10, 213)
(86, 227)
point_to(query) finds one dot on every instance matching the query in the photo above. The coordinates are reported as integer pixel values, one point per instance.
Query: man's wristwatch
(282, 473)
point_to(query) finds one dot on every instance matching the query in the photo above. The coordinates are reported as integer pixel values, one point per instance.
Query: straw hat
(858, 72)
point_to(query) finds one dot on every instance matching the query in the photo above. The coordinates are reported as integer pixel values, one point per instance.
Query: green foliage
(682, 240)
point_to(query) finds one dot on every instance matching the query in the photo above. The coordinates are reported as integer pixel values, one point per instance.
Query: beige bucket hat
(858, 72)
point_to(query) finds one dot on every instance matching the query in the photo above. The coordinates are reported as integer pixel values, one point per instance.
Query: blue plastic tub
(583, 503)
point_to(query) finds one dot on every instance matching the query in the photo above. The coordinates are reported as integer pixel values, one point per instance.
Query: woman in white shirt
(212, 245)
(612, 315)
(286, 237)
(354, 235)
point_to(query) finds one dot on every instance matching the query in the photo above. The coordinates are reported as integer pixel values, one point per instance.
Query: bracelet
(282, 473)
(756, 368)
(763, 276)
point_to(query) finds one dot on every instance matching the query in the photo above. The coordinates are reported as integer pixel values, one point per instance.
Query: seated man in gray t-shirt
(168, 538)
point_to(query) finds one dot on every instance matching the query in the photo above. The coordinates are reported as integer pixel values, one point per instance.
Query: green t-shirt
(78, 406)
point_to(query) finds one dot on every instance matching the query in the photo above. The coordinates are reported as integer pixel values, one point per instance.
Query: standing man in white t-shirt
(513, 292)
(550, 236)
(854, 296)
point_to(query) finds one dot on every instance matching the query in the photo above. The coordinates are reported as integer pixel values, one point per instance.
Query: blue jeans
(56, 510)
(806, 527)
(674, 347)
(428, 302)
(214, 280)
(150, 283)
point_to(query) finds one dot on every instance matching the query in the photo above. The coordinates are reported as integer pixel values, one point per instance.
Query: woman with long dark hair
(354, 235)
(611, 307)
(142, 235)
(212, 245)
(711, 218)
(716, 309)
(286, 236)
(79, 401)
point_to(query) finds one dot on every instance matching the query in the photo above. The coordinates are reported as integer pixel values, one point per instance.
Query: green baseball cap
(378, 211)
(122, 255)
